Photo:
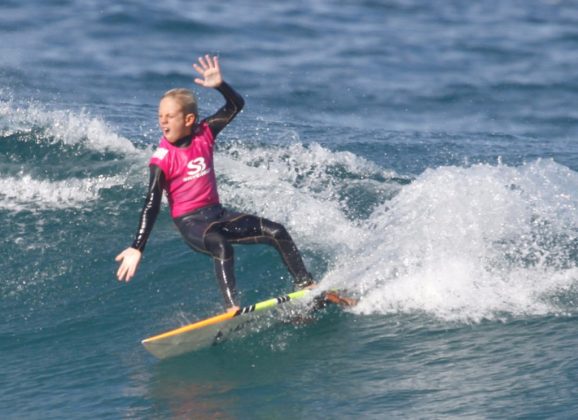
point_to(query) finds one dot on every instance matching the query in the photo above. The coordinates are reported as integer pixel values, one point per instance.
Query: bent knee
(218, 246)
(275, 230)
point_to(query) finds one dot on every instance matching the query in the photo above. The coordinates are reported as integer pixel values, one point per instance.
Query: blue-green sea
(422, 154)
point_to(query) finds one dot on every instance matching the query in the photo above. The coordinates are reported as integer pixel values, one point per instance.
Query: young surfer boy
(182, 166)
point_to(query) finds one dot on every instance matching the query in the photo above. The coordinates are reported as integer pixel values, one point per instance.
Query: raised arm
(212, 77)
(234, 104)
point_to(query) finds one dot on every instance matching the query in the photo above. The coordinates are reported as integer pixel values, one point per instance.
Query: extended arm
(150, 208)
(130, 257)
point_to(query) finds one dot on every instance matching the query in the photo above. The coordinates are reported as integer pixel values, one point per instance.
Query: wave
(59, 159)
(459, 243)
(32, 194)
(60, 126)
(470, 243)
(318, 193)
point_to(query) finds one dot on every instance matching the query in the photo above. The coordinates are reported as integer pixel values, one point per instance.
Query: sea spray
(461, 243)
(306, 187)
(469, 243)
(63, 126)
(61, 159)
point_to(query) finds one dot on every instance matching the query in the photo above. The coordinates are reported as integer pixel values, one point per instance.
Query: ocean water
(423, 155)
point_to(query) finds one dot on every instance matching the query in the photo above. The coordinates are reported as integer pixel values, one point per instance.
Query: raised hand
(210, 71)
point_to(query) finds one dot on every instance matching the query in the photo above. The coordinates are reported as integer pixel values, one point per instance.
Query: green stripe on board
(274, 301)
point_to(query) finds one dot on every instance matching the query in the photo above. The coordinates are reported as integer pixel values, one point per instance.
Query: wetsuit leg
(214, 230)
(249, 229)
(276, 235)
(224, 260)
(199, 232)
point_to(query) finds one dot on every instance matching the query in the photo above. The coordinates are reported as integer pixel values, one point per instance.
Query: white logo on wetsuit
(198, 168)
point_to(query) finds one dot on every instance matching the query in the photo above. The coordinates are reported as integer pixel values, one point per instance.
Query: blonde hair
(185, 98)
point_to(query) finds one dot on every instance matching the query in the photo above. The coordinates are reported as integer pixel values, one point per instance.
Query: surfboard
(212, 330)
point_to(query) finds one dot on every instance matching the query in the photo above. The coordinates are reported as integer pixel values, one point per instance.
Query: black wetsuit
(214, 229)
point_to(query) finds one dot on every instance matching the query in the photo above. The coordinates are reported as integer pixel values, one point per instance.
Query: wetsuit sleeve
(150, 208)
(234, 104)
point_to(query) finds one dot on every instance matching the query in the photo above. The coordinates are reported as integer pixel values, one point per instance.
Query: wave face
(472, 242)
(423, 156)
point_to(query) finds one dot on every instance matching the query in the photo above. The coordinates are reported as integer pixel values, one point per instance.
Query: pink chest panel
(190, 176)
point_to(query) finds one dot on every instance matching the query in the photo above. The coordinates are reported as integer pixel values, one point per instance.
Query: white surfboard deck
(211, 331)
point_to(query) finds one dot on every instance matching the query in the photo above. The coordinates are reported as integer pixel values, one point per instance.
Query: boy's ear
(190, 120)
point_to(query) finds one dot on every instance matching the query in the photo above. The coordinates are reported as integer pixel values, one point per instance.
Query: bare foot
(334, 297)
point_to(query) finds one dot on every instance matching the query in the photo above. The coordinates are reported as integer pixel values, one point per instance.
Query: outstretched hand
(210, 71)
(129, 260)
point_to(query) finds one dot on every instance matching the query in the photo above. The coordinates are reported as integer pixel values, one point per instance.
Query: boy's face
(174, 123)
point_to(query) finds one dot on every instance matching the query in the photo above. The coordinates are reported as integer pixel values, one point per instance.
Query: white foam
(458, 243)
(66, 127)
(469, 243)
(294, 185)
(26, 193)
